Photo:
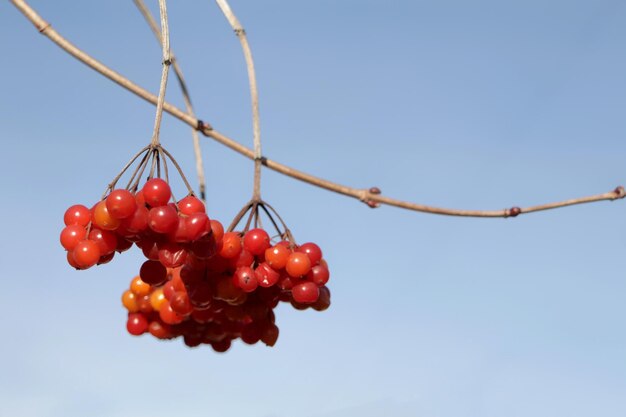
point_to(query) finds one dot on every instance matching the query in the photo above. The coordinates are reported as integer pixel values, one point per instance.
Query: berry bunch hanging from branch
(200, 282)
(197, 282)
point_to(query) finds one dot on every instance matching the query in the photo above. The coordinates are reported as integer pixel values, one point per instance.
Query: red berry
(181, 304)
(105, 259)
(313, 252)
(323, 302)
(319, 275)
(256, 241)
(168, 315)
(277, 255)
(138, 221)
(102, 217)
(163, 219)
(298, 264)
(106, 240)
(137, 324)
(160, 330)
(245, 279)
(221, 346)
(231, 245)
(172, 255)
(197, 225)
(266, 276)
(86, 253)
(270, 335)
(156, 192)
(121, 204)
(217, 229)
(305, 292)
(77, 214)
(71, 235)
(190, 205)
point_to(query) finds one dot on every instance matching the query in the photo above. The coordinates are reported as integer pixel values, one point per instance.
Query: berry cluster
(198, 282)
(91, 236)
(229, 294)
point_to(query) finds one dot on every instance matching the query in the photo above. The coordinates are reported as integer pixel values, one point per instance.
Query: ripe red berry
(323, 302)
(305, 292)
(217, 229)
(256, 241)
(168, 315)
(77, 214)
(71, 235)
(312, 250)
(137, 222)
(298, 264)
(103, 219)
(121, 204)
(231, 245)
(319, 275)
(137, 324)
(277, 255)
(106, 240)
(190, 205)
(265, 275)
(163, 219)
(86, 253)
(156, 192)
(245, 279)
(197, 225)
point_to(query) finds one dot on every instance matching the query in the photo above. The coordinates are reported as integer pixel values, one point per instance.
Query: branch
(183, 87)
(165, 42)
(370, 196)
(254, 94)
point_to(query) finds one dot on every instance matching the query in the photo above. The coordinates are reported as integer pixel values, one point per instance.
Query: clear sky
(481, 105)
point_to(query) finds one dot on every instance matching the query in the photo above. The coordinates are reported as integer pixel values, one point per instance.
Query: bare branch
(370, 196)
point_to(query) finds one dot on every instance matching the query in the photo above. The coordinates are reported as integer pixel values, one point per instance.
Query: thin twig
(165, 42)
(364, 195)
(186, 97)
(254, 94)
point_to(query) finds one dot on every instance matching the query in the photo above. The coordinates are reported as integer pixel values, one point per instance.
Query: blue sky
(483, 106)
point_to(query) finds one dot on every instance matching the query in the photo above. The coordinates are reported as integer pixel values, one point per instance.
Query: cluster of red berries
(228, 294)
(92, 236)
(198, 282)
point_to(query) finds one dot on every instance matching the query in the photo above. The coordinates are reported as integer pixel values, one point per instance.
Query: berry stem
(254, 93)
(186, 97)
(178, 168)
(165, 40)
(113, 183)
(141, 163)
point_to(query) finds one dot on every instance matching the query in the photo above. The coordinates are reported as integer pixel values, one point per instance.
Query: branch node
(512, 212)
(43, 28)
(374, 190)
(262, 159)
(202, 127)
(240, 31)
(372, 204)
